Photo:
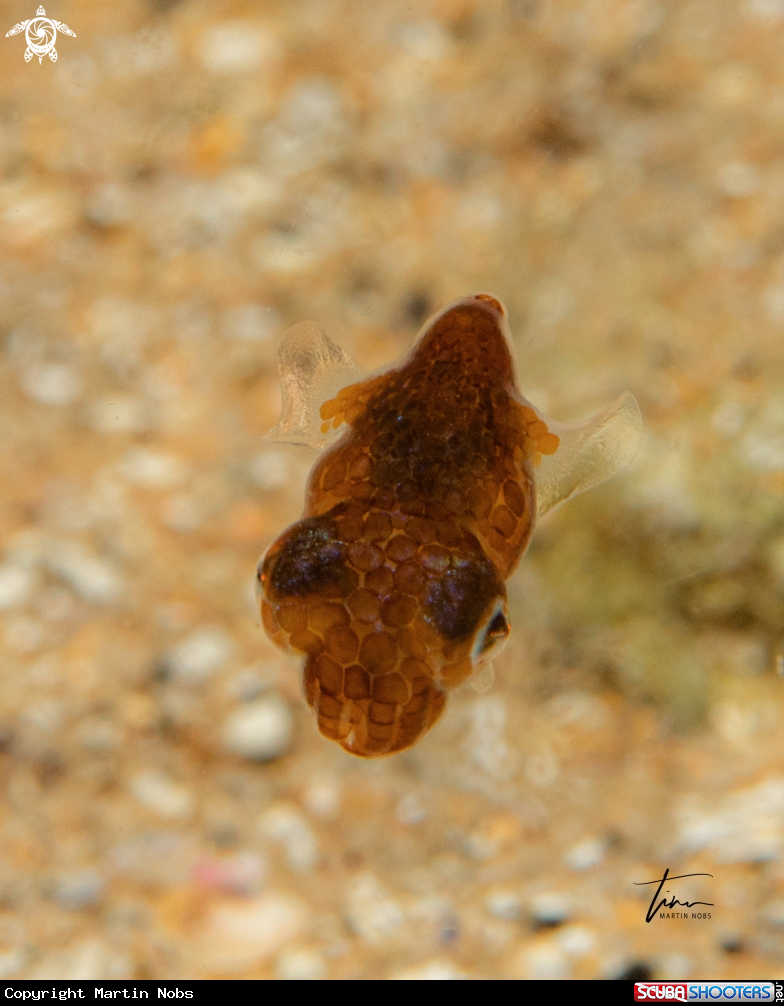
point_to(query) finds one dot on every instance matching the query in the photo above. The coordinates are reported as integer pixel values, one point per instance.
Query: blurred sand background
(186, 181)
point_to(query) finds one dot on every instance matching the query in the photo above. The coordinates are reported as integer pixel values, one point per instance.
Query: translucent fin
(484, 679)
(589, 453)
(312, 370)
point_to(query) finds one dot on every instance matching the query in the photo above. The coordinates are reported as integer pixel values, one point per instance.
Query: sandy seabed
(183, 183)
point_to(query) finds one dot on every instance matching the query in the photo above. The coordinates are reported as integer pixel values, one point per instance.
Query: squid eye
(497, 629)
(491, 638)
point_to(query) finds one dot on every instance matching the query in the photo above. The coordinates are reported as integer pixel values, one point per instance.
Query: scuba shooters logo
(708, 992)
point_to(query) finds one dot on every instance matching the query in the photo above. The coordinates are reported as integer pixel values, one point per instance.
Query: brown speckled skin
(413, 521)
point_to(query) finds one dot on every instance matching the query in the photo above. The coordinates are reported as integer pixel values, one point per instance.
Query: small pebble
(163, 795)
(504, 905)
(151, 469)
(577, 941)
(486, 743)
(260, 730)
(182, 512)
(322, 796)
(89, 960)
(432, 971)
(249, 190)
(236, 47)
(11, 961)
(250, 323)
(250, 683)
(542, 769)
(425, 40)
(307, 131)
(93, 578)
(411, 810)
(550, 908)
(283, 822)
(371, 911)
(78, 890)
(99, 735)
(159, 858)
(762, 445)
(491, 835)
(200, 655)
(45, 715)
(109, 204)
(239, 934)
(16, 585)
(585, 854)
(615, 967)
(738, 179)
(301, 965)
(52, 384)
(239, 874)
(675, 967)
(542, 960)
